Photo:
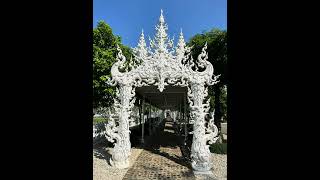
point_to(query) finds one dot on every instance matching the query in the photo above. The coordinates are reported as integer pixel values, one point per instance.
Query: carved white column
(185, 120)
(121, 133)
(149, 118)
(200, 153)
(204, 132)
(143, 120)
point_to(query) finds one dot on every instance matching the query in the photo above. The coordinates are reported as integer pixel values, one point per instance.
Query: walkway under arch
(162, 157)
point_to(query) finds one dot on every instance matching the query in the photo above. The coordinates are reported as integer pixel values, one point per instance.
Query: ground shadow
(175, 158)
(157, 173)
(101, 153)
(153, 143)
(167, 139)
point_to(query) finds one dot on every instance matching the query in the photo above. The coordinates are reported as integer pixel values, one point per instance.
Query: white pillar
(180, 116)
(143, 120)
(121, 135)
(149, 119)
(200, 153)
(185, 120)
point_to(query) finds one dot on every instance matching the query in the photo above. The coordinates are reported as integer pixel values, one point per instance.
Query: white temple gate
(163, 65)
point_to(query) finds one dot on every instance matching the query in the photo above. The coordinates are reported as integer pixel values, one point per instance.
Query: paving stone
(161, 158)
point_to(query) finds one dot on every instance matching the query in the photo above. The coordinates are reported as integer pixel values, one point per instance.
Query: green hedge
(219, 148)
(98, 120)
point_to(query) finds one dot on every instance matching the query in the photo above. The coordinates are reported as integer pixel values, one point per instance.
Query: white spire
(180, 49)
(141, 51)
(161, 18)
(161, 41)
(142, 42)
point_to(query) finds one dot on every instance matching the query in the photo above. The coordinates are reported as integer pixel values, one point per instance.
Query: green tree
(217, 55)
(104, 55)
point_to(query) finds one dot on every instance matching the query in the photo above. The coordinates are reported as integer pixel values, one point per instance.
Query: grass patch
(219, 148)
(98, 120)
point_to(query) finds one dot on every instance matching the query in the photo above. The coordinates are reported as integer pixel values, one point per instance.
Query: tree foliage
(217, 55)
(104, 55)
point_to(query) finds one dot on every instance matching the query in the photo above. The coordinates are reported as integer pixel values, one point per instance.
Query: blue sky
(128, 17)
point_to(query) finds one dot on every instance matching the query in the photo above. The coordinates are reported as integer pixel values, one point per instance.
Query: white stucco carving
(161, 64)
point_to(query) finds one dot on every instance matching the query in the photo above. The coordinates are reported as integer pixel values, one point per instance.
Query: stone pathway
(102, 170)
(161, 158)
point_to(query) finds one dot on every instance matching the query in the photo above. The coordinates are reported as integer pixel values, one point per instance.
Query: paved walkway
(161, 158)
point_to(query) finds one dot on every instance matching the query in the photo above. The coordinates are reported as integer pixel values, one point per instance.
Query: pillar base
(142, 140)
(203, 168)
(202, 172)
(121, 164)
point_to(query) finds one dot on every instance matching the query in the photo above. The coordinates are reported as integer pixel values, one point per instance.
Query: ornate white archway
(161, 65)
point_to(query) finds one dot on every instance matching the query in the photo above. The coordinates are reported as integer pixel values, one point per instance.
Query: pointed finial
(161, 18)
(142, 32)
(181, 34)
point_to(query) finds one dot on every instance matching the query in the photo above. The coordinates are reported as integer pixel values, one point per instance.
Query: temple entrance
(172, 103)
(164, 148)
(152, 107)
(169, 79)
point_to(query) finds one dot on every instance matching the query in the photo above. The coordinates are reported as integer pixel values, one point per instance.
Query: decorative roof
(161, 63)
